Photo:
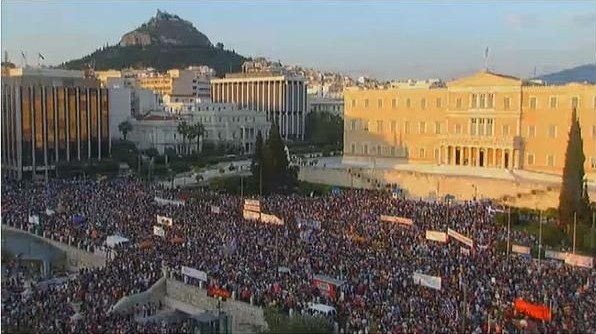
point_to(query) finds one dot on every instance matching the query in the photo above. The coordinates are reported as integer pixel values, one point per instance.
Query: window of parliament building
(44, 124)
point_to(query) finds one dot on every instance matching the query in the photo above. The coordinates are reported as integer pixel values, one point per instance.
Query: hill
(165, 41)
(581, 73)
(165, 29)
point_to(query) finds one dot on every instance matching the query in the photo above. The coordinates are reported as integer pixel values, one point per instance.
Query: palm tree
(125, 127)
(199, 132)
(184, 131)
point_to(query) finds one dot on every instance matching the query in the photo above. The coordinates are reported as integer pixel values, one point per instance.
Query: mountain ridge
(581, 73)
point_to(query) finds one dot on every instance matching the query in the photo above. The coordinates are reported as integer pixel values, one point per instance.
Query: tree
(257, 158)
(184, 131)
(199, 131)
(573, 198)
(125, 127)
(297, 324)
(324, 128)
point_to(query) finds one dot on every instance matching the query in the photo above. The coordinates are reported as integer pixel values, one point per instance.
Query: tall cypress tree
(276, 161)
(257, 158)
(572, 198)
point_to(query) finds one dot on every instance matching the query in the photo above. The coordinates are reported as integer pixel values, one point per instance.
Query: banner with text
(397, 220)
(460, 237)
(271, 219)
(192, 272)
(163, 201)
(520, 249)
(433, 282)
(549, 254)
(579, 260)
(159, 231)
(161, 220)
(252, 205)
(250, 215)
(436, 236)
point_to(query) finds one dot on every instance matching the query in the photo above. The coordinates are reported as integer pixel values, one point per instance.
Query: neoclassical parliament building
(487, 120)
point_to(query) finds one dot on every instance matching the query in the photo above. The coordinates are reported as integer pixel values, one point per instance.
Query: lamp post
(508, 230)
(540, 238)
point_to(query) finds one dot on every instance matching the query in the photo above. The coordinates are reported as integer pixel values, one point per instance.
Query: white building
(223, 123)
(282, 98)
(120, 109)
(322, 104)
(157, 130)
(130, 102)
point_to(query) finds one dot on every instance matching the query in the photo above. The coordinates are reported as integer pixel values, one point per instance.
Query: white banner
(34, 219)
(436, 236)
(250, 215)
(159, 231)
(520, 249)
(162, 220)
(433, 282)
(271, 219)
(397, 220)
(163, 201)
(579, 260)
(549, 254)
(252, 205)
(192, 272)
(460, 237)
(215, 209)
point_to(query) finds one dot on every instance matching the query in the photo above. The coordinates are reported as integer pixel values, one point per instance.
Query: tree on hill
(160, 57)
(573, 198)
(124, 127)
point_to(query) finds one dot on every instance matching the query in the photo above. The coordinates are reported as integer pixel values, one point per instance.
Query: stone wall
(75, 258)
(245, 317)
(521, 192)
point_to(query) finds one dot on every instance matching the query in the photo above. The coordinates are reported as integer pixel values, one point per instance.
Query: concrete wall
(525, 193)
(75, 258)
(154, 294)
(244, 316)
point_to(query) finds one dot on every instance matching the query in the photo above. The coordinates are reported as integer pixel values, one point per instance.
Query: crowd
(375, 259)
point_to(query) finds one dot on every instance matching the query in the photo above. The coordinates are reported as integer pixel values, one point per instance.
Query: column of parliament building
(486, 120)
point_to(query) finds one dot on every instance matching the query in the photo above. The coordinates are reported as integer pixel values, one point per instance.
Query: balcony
(514, 142)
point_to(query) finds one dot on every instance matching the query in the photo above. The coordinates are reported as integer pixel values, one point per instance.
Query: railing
(485, 141)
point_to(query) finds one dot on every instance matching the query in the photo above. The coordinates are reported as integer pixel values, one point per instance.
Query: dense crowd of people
(374, 259)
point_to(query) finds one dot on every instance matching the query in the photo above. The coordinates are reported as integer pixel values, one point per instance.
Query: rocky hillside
(165, 41)
(165, 29)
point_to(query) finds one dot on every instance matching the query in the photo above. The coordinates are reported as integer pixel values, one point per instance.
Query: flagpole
(540, 238)
(574, 230)
(508, 230)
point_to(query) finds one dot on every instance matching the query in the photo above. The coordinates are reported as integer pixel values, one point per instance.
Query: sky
(381, 39)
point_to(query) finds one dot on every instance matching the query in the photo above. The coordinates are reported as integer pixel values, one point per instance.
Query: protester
(375, 259)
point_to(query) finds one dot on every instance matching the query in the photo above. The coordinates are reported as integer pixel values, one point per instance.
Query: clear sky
(383, 39)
